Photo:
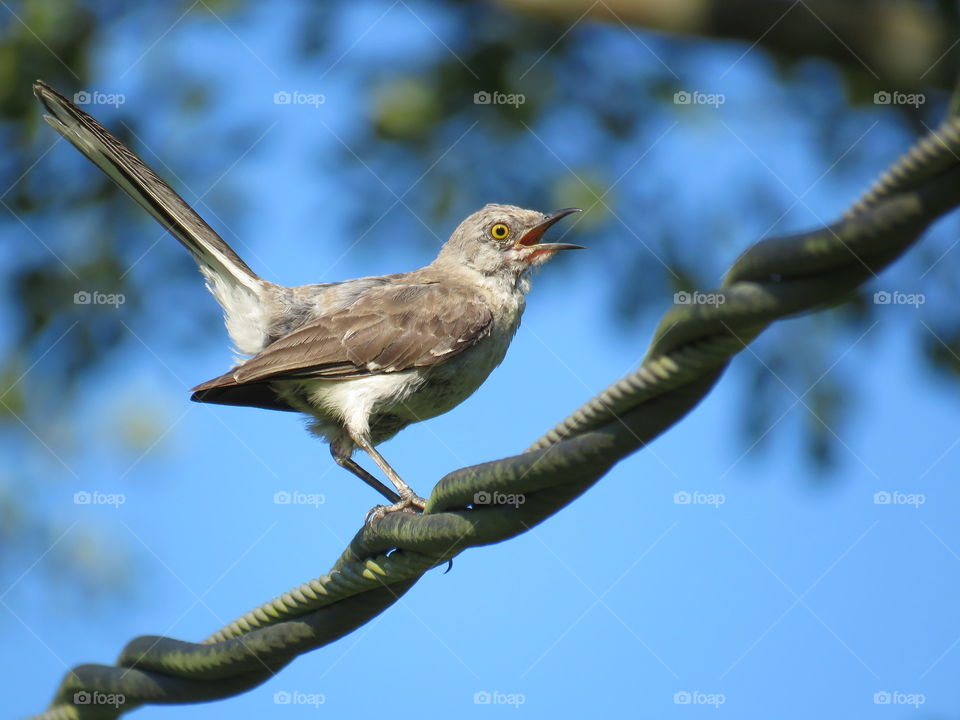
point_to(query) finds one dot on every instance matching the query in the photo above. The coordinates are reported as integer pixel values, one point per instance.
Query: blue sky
(796, 596)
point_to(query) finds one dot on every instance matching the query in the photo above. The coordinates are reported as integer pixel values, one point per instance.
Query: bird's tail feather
(237, 288)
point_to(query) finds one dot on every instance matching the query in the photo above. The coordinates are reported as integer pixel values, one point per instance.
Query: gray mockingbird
(362, 358)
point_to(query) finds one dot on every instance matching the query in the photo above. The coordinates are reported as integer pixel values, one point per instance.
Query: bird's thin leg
(408, 498)
(345, 461)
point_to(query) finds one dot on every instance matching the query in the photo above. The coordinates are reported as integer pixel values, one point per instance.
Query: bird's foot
(411, 503)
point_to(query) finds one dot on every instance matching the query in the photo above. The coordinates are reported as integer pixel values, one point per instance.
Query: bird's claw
(413, 504)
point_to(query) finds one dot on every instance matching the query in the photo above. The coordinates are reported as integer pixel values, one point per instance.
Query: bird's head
(504, 239)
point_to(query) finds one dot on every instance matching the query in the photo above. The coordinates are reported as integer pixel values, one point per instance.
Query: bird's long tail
(238, 289)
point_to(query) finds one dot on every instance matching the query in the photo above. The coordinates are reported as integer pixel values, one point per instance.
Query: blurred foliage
(603, 115)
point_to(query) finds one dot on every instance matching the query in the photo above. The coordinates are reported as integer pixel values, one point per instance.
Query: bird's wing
(387, 329)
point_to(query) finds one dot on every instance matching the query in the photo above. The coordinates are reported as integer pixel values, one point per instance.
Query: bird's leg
(345, 461)
(408, 501)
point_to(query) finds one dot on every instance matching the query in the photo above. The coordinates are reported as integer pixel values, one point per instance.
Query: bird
(363, 358)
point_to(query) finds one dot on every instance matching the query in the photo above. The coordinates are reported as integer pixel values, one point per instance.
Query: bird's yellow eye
(499, 231)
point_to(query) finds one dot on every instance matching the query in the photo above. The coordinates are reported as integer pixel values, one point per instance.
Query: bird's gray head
(504, 239)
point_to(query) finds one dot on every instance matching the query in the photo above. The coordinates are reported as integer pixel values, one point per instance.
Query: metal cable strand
(932, 154)
(351, 579)
(689, 351)
(654, 377)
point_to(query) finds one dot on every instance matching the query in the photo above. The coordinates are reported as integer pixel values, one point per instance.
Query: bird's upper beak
(534, 235)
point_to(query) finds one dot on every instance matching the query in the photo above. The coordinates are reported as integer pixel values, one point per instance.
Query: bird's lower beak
(534, 234)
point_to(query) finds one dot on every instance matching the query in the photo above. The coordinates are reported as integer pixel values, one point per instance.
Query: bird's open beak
(534, 234)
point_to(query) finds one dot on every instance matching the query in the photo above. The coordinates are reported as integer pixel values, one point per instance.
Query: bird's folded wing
(387, 329)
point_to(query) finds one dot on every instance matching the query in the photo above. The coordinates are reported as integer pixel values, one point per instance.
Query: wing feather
(388, 328)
